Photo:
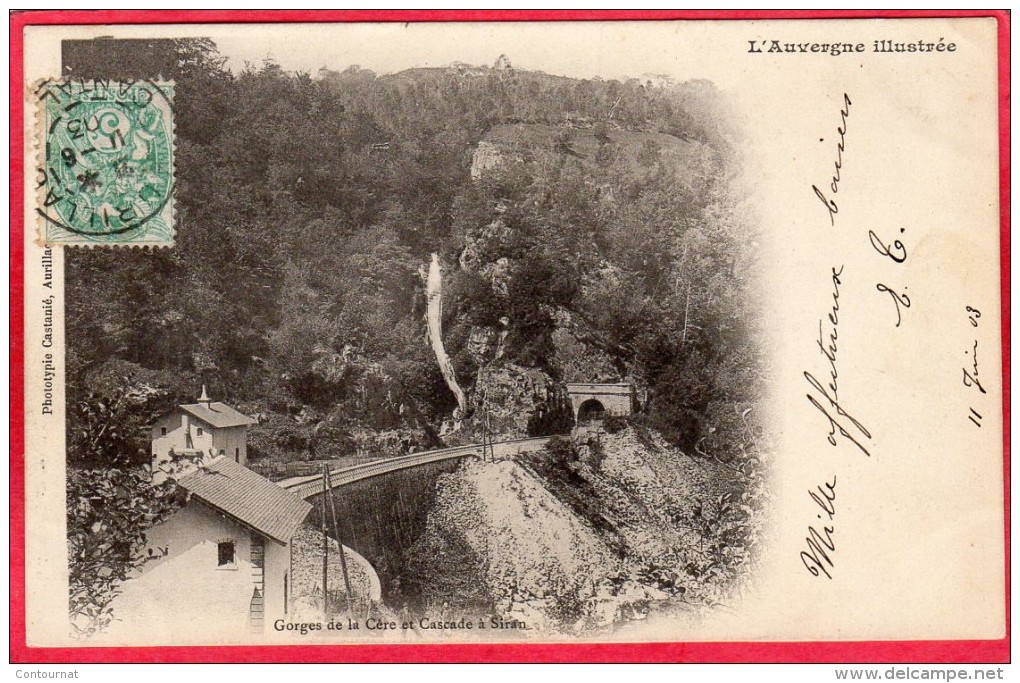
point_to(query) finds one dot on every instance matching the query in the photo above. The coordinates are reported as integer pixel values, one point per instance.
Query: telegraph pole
(343, 555)
(486, 436)
(325, 543)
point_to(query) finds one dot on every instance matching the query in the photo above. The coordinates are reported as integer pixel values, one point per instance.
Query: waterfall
(434, 294)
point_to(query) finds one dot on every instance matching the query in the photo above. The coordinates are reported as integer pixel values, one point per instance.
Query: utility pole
(343, 555)
(486, 436)
(325, 543)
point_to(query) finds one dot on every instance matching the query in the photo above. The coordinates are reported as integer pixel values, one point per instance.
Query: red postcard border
(936, 651)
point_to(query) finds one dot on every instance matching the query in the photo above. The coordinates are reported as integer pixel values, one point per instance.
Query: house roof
(248, 498)
(217, 414)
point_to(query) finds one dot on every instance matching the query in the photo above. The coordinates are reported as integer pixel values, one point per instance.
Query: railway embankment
(586, 533)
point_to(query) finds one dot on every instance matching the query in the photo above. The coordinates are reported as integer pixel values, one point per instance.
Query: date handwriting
(971, 373)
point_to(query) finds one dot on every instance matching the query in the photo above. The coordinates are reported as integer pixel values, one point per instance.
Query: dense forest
(589, 230)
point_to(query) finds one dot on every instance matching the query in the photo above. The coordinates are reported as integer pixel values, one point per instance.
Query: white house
(227, 568)
(201, 431)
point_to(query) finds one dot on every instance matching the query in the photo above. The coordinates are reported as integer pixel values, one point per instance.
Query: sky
(714, 50)
(576, 49)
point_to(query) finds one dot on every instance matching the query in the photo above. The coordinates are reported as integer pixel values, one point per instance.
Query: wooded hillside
(587, 228)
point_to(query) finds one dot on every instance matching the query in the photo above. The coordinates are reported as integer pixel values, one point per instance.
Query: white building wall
(179, 425)
(232, 442)
(173, 424)
(186, 596)
(277, 567)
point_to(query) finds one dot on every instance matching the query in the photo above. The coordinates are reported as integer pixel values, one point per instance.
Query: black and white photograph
(470, 347)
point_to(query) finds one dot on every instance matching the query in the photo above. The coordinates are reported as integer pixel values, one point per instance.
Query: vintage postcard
(406, 330)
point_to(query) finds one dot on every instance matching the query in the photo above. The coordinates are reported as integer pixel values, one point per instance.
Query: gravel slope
(576, 544)
(307, 580)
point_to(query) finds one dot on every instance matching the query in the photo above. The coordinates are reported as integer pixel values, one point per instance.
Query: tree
(108, 511)
(111, 502)
(305, 204)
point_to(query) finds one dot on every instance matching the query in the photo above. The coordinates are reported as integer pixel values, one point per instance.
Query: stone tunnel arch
(612, 399)
(589, 411)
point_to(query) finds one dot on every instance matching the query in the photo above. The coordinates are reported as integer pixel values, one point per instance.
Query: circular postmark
(108, 166)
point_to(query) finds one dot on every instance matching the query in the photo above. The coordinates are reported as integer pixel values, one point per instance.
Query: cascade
(434, 295)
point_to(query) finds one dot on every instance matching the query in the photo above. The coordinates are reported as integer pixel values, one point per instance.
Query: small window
(222, 452)
(237, 455)
(162, 431)
(200, 431)
(225, 550)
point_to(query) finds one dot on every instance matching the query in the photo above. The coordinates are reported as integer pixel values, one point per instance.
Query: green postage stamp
(106, 163)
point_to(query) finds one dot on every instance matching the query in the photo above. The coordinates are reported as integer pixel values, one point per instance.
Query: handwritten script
(825, 397)
(828, 202)
(818, 557)
(971, 373)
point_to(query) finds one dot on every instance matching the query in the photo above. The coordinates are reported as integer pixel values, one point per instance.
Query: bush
(562, 450)
(596, 453)
(615, 423)
(108, 511)
(552, 416)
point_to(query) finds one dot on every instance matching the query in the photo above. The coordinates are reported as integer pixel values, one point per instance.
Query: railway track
(311, 485)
